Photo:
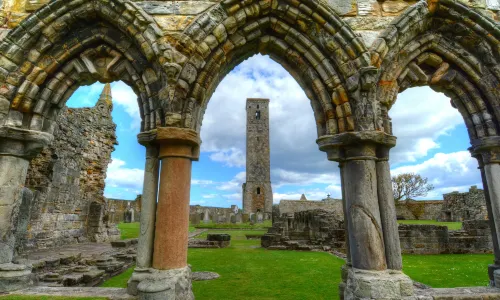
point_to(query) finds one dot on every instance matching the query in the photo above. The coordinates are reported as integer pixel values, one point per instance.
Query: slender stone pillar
(13, 172)
(367, 207)
(388, 211)
(363, 215)
(169, 276)
(17, 147)
(488, 156)
(148, 208)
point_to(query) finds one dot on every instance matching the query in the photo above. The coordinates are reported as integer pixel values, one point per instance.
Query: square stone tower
(257, 192)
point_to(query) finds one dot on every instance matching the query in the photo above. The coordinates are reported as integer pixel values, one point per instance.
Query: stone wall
(430, 210)
(293, 206)
(324, 230)
(306, 230)
(67, 179)
(458, 207)
(475, 237)
(117, 209)
(368, 18)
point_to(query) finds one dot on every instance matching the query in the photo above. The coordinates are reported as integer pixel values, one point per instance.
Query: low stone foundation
(212, 241)
(152, 284)
(389, 284)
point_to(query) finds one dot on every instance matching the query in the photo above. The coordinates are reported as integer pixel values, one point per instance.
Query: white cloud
(209, 196)
(232, 157)
(419, 117)
(447, 172)
(127, 180)
(202, 182)
(234, 184)
(124, 96)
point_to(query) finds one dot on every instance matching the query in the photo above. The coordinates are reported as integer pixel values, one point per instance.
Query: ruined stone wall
(366, 17)
(67, 177)
(458, 207)
(324, 230)
(198, 213)
(475, 237)
(430, 210)
(117, 208)
(316, 229)
(293, 206)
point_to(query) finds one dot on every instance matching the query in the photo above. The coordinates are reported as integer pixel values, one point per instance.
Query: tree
(409, 185)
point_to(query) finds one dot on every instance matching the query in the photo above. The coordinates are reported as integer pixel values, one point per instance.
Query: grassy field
(248, 272)
(448, 270)
(263, 225)
(131, 230)
(451, 225)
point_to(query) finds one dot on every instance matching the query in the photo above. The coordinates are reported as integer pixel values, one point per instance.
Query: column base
(153, 284)
(494, 282)
(388, 284)
(15, 277)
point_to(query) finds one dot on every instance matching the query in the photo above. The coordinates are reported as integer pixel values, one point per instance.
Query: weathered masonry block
(67, 204)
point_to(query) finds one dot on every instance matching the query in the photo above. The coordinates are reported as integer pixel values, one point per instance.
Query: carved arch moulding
(66, 44)
(452, 49)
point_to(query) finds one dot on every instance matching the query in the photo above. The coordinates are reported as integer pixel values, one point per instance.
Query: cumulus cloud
(448, 172)
(123, 180)
(124, 95)
(419, 117)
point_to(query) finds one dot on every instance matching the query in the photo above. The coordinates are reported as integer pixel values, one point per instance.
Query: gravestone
(194, 219)
(239, 218)
(260, 217)
(206, 217)
(253, 218)
(245, 218)
(233, 219)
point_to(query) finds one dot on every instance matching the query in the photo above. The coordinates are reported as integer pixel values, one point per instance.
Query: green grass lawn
(451, 225)
(264, 225)
(249, 272)
(131, 230)
(448, 270)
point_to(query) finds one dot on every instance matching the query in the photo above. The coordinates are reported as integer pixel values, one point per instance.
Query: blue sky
(432, 140)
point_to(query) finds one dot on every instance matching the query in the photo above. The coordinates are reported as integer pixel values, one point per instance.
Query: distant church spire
(105, 101)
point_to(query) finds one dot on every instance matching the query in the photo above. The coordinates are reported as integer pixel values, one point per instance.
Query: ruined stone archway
(307, 38)
(455, 50)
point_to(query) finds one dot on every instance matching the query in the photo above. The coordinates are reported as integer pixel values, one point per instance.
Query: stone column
(368, 276)
(363, 215)
(17, 147)
(148, 208)
(170, 276)
(388, 211)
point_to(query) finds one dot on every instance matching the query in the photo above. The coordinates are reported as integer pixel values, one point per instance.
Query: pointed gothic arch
(66, 44)
(452, 49)
(306, 37)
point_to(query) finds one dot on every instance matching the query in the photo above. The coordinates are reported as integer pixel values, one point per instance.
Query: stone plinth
(152, 284)
(14, 277)
(388, 284)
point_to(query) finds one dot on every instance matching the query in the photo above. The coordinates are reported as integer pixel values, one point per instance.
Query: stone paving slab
(110, 293)
(470, 293)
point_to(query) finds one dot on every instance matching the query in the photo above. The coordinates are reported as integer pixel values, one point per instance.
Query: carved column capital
(173, 142)
(486, 150)
(22, 142)
(371, 145)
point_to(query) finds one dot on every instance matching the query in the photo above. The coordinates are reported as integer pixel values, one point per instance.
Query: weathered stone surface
(257, 190)
(69, 205)
(362, 284)
(14, 277)
(175, 8)
(201, 276)
(170, 284)
(173, 22)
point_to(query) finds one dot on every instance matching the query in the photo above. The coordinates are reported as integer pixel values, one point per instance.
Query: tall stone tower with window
(257, 192)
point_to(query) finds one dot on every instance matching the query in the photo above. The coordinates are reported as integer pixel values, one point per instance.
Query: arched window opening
(257, 115)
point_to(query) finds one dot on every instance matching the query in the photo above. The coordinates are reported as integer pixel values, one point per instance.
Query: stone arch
(66, 44)
(306, 37)
(449, 47)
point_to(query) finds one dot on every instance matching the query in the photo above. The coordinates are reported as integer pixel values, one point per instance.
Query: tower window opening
(258, 191)
(257, 115)
(257, 106)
